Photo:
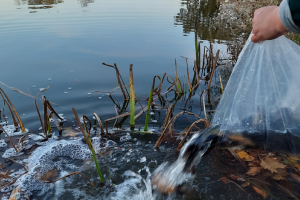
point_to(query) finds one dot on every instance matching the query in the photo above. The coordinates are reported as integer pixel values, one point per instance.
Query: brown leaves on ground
(49, 175)
(243, 155)
(241, 139)
(297, 166)
(295, 177)
(69, 132)
(245, 184)
(13, 195)
(224, 179)
(272, 164)
(253, 171)
(261, 192)
(5, 175)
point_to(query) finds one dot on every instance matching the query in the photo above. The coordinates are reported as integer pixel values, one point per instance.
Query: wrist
(279, 25)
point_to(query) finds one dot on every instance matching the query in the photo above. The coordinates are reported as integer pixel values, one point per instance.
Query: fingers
(255, 38)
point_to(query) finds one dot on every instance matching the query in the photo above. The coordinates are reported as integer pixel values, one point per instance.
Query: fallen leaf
(254, 171)
(4, 176)
(236, 177)
(224, 179)
(49, 175)
(277, 177)
(69, 132)
(14, 193)
(282, 172)
(7, 172)
(261, 192)
(254, 163)
(297, 166)
(245, 184)
(271, 164)
(243, 155)
(241, 139)
(266, 173)
(293, 158)
(295, 177)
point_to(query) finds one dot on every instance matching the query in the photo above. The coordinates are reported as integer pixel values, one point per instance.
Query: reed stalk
(132, 98)
(148, 110)
(222, 89)
(94, 155)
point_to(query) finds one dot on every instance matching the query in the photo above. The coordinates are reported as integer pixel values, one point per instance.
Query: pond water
(62, 44)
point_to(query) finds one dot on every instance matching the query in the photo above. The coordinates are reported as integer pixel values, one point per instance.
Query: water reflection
(84, 3)
(200, 14)
(45, 4)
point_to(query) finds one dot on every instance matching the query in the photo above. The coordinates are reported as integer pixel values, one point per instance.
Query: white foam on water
(10, 153)
(36, 137)
(3, 143)
(131, 187)
(125, 138)
(11, 130)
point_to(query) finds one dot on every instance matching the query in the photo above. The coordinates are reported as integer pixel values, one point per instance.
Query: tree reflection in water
(200, 13)
(48, 3)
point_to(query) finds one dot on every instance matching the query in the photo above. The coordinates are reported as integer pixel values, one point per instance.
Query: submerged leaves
(272, 164)
(245, 156)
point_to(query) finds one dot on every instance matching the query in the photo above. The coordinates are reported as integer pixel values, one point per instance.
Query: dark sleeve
(288, 19)
(295, 11)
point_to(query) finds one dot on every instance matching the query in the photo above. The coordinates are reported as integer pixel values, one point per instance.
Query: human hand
(266, 24)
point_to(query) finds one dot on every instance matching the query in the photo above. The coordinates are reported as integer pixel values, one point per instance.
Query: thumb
(255, 38)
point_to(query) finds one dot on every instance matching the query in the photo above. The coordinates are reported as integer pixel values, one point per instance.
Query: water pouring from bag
(168, 178)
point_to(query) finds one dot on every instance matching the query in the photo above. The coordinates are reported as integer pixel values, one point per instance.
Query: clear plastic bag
(262, 96)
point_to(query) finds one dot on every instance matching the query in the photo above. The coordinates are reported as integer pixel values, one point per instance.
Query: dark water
(62, 43)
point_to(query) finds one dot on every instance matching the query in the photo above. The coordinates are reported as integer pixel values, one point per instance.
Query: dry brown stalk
(15, 111)
(167, 118)
(42, 124)
(120, 81)
(100, 123)
(9, 139)
(214, 67)
(71, 174)
(81, 128)
(169, 123)
(188, 75)
(187, 133)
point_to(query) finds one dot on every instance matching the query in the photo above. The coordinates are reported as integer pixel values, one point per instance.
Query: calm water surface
(62, 43)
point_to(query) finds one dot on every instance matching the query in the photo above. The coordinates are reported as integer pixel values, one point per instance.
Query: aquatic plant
(132, 98)
(148, 109)
(88, 141)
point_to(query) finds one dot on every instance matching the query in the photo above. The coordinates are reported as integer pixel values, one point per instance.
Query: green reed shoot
(148, 111)
(132, 98)
(89, 142)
